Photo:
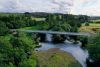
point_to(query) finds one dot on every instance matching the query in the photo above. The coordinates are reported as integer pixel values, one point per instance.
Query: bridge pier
(42, 37)
(56, 38)
(75, 38)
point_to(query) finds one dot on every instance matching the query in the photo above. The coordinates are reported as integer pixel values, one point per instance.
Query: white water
(48, 37)
(74, 49)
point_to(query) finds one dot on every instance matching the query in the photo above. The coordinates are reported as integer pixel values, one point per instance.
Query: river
(74, 49)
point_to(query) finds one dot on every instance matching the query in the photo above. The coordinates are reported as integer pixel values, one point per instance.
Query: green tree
(86, 23)
(17, 51)
(28, 62)
(6, 50)
(23, 47)
(94, 48)
(3, 28)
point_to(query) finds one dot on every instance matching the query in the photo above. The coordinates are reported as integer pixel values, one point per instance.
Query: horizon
(45, 12)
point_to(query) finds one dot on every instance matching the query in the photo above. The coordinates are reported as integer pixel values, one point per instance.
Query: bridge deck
(54, 32)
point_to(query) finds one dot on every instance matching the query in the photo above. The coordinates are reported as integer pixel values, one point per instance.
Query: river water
(74, 49)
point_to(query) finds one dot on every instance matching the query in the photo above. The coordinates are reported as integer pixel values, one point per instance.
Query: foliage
(3, 29)
(13, 21)
(61, 27)
(31, 62)
(17, 51)
(65, 22)
(86, 24)
(94, 47)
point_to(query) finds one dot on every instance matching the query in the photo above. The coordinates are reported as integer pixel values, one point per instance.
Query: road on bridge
(54, 32)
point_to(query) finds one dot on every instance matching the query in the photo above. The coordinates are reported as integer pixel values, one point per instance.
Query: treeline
(66, 21)
(13, 21)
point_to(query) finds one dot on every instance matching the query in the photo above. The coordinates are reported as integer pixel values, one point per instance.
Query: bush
(86, 24)
(31, 62)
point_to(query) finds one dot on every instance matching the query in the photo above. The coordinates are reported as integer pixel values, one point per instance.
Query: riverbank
(55, 57)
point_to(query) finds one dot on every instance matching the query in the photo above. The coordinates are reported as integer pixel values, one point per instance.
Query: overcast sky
(89, 7)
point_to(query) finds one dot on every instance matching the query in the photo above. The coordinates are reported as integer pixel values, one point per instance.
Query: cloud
(34, 5)
(90, 7)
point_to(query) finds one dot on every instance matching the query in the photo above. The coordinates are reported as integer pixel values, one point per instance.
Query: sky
(87, 7)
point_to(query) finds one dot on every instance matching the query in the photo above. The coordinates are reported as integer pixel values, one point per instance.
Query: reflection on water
(74, 49)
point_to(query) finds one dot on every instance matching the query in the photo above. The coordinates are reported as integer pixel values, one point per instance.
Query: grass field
(43, 26)
(92, 28)
(95, 24)
(39, 19)
(56, 58)
(30, 28)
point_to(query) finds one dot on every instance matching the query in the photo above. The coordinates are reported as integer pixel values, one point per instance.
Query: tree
(6, 51)
(3, 28)
(94, 49)
(17, 51)
(22, 46)
(28, 62)
(87, 24)
(13, 21)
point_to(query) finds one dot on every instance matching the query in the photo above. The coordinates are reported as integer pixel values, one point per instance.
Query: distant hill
(94, 17)
(44, 14)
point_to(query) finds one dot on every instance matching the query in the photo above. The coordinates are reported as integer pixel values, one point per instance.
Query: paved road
(54, 32)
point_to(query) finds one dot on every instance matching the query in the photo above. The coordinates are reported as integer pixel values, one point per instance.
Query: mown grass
(95, 24)
(56, 58)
